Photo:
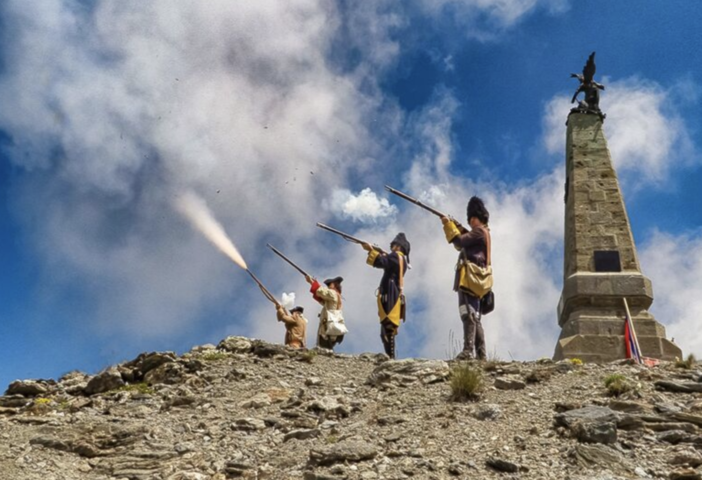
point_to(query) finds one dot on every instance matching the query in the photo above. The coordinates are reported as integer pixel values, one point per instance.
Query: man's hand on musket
(367, 247)
(309, 279)
(461, 228)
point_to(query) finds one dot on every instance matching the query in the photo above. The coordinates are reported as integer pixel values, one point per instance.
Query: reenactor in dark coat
(391, 301)
(474, 248)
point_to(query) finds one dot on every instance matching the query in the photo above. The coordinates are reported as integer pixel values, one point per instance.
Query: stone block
(597, 196)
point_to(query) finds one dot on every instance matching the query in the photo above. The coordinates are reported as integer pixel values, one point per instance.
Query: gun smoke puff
(195, 210)
(288, 300)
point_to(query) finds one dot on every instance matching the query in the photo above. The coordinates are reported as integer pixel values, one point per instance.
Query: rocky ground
(248, 409)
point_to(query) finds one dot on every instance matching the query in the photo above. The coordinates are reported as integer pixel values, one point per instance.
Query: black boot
(387, 335)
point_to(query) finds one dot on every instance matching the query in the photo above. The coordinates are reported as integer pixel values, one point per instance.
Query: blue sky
(279, 116)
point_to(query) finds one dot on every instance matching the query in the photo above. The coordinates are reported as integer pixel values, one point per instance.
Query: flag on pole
(631, 350)
(632, 343)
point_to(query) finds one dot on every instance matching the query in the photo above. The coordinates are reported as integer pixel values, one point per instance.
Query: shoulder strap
(402, 277)
(489, 250)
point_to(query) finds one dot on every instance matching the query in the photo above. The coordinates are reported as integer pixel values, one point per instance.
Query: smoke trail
(195, 210)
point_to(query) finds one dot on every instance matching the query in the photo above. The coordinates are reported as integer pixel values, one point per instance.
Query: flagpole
(630, 320)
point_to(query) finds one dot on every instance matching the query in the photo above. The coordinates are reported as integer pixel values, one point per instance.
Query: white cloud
(123, 106)
(364, 207)
(674, 265)
(484, 19)
(647, 138)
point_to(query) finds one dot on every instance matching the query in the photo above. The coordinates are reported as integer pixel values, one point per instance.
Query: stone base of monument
(592, 316)
(604, 345)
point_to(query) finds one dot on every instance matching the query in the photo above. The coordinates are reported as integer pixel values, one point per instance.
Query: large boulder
(105, 381)
(596, 432)
(74, 383)
(14, 401)
(267, 350)
(344, 451)
(600, 457)
(677, 387)
(590, 414)
(169, 373)
(408, 371)
(506, 383)
(26, 388)
(328, 406)
(236, 345)
(135, 370)
(156, 359)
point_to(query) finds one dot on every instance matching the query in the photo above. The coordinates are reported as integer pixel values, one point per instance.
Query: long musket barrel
(280, 254)
(265, 291)
(415, 201)
(423, 205)
(347, 237)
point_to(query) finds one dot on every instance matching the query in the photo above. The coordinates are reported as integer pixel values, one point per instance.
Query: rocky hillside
(249, 409)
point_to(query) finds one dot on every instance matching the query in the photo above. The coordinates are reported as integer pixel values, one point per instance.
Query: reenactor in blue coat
(391, 299)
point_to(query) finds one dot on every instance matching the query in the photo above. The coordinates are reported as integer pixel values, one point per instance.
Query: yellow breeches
(393, 315)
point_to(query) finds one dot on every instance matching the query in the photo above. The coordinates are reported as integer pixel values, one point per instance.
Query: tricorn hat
(336, 280)
(401, 241)
(476, 208)
(297, 309)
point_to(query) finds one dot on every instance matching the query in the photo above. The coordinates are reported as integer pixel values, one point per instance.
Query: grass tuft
(141, 387)
(617, 384)
(466, 383)
(214, 356)
(308, 356)
(687, 364)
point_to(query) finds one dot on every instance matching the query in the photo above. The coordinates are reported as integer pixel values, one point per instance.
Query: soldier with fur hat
(474, 246)
(295, 326)
(391, 299)
(329, 296)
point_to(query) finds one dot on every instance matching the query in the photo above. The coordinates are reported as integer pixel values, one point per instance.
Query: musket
(280, 254)
(424, 206)
(348, 238)
(265, 291)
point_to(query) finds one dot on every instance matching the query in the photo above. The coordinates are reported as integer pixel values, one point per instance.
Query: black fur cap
(476, 208)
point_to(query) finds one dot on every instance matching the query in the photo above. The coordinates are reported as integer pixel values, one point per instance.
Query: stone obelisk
(601, 267)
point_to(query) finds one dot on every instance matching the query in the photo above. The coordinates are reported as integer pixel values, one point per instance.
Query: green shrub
(40, 406)
(686, 364)
(617, 384)
(214, 356)
(466, 383)
(308, 356)
(141, 387)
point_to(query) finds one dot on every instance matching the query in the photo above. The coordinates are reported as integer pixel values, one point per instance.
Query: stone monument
(601, 267)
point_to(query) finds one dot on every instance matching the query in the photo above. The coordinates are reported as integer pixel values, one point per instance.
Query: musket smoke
(195, 210)
(288, 300)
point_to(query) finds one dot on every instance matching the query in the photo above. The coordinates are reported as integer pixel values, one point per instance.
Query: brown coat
(295, 328)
